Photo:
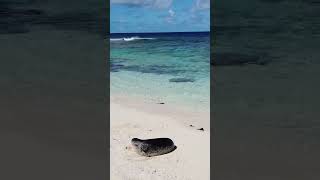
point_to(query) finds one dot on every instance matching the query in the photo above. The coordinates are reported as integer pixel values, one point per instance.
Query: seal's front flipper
(144, 148)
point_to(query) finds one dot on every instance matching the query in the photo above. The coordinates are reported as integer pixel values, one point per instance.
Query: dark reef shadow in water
(17, 20)
(152, 69)
(237, 59)
(179, 80)
(116, 67)
(20, 17)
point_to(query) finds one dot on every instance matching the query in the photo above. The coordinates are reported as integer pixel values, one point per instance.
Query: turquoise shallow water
(172, 68)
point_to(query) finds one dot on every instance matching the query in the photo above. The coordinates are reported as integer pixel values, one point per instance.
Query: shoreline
(142, 119)
(185, 115)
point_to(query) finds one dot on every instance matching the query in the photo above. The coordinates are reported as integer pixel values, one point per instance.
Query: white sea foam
(116, 39)
(130, 38)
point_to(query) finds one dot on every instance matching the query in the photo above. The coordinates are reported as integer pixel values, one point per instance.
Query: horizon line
(159, 32)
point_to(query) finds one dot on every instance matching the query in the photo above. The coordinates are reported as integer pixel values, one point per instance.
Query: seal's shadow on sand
(134, 156)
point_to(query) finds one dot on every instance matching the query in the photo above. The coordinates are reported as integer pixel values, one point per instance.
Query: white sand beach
(142, 119)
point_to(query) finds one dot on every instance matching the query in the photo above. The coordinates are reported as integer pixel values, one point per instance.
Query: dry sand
(191, 159)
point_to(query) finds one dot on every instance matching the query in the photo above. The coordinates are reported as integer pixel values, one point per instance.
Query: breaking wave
(130, 39)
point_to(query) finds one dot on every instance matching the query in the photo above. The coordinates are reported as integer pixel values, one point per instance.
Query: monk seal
(153, 147)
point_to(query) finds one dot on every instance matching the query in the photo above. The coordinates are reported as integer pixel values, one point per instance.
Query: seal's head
(136, 142)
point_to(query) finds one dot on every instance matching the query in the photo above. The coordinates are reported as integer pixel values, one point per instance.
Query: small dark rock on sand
(201, 129)
(161, 103)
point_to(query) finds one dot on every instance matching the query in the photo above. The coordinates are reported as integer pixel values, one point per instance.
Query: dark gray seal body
(153, 147)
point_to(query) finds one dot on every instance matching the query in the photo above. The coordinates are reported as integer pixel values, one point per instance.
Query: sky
(128, 16)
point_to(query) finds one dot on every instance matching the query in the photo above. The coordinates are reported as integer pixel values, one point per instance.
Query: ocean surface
(173, 68)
